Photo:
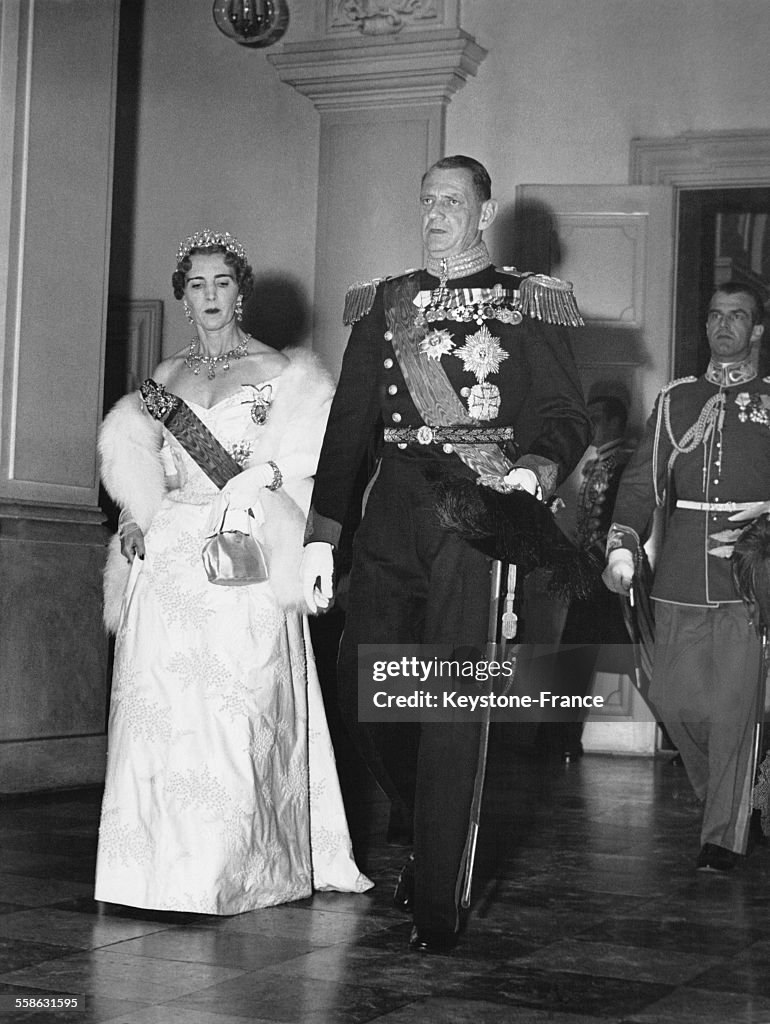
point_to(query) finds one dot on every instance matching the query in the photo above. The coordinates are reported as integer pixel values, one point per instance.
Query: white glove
(523, 480)
(757, 509)
(317, 575)
(619, 573)
(243, 490)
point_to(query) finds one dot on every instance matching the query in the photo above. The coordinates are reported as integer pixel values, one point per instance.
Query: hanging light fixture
(252, 22)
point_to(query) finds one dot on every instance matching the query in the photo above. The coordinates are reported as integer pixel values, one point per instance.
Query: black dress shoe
(432, 940)
(403, 896)
(715, 858)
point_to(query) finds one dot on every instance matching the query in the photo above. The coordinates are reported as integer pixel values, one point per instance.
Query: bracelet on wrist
(277, 480)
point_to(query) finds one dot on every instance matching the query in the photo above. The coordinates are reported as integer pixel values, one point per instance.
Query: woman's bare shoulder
(267, 362)
(169, 367)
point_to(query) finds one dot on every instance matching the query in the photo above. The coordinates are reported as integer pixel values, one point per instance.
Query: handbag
(233, 558)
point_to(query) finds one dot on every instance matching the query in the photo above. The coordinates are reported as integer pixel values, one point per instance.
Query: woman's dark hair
(244, 276)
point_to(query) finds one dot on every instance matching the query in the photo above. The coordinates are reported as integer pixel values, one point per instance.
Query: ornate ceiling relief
(383, 17)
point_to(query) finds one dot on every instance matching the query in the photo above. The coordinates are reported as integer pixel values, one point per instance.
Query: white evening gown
(221, 792)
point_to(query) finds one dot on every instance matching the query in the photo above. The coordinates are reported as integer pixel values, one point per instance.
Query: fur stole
(132, 472)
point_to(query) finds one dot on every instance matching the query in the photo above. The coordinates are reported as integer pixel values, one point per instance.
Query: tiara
(203, 239)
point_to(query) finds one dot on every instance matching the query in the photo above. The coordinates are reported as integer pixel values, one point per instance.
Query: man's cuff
(319, 528)
(546, 471)
(620, 536)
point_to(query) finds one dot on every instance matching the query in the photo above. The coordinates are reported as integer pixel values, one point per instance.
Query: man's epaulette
(549, 299)
(359, 300)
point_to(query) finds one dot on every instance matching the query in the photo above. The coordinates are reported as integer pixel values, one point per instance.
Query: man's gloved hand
(619, 572)
(317, 575)
(523, 480)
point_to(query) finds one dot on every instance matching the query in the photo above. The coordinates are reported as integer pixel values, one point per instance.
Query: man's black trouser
(413, 582)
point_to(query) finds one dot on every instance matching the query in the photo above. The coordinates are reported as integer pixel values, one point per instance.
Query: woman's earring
(239, 308)
(188, 312)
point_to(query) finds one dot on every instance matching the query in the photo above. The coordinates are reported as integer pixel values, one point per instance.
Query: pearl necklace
(194, 360)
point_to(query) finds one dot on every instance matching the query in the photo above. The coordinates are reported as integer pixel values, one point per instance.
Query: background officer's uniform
(706, 661)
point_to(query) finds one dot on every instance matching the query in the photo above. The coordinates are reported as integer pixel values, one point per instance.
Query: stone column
(381, 78)
(57, 98)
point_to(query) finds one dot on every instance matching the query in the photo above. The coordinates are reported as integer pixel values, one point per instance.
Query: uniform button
(449, 448)
(715, 482)
(396, 417)
(392, 389)
(401, 446)
(388, 335)
(388, 364)
(465, 392)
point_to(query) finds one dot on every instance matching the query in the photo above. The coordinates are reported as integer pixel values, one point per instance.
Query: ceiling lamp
(252, 22)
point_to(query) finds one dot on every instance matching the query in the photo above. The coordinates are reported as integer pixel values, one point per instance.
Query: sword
(499, 629)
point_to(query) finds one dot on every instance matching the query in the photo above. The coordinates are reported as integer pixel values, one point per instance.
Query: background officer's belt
(715, 506)
(451, 435)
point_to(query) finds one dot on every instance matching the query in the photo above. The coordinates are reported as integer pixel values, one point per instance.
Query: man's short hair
(482, 183)
(738, 287)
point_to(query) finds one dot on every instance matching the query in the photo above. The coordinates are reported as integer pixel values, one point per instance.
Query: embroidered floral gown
(221, 792)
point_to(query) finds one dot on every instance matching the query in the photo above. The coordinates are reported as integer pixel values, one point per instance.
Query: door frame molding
(705, 160)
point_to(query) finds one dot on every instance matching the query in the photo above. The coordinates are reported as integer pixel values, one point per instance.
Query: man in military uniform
(458, 372)
(708, 440)
(593, 628)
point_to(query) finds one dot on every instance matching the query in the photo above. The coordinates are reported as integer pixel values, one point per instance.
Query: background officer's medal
(484, 401)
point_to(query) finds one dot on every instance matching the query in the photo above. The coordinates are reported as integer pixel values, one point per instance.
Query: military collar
(726, 375)
(471, 261)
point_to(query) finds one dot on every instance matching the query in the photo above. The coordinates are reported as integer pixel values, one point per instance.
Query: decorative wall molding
(376, 72)
(708, 160)
(135, 326)
(388, 17)
(613, 244)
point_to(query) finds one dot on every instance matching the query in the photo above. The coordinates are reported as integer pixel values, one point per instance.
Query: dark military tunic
(540, 397)
(411, 582)
(706, 662)
(731, 463)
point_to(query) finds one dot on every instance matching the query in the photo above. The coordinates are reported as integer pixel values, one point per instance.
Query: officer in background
(708, 442)
(459, 371)
(594, 635)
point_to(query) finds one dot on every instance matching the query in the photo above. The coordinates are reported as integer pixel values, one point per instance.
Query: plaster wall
(566, 85)
(564, 88)
(219, 143)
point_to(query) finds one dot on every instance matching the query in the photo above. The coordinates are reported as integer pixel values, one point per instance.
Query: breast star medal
(481, 355)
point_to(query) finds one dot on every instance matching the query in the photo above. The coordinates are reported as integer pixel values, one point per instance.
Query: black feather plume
(516, 527)
(751, 569)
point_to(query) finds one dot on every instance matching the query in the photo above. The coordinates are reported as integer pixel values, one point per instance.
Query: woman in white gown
(221, 792)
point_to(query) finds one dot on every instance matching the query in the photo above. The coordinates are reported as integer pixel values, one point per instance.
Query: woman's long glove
(243, 489)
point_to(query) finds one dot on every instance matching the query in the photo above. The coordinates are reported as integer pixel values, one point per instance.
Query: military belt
(448, 435)
(715, 506)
